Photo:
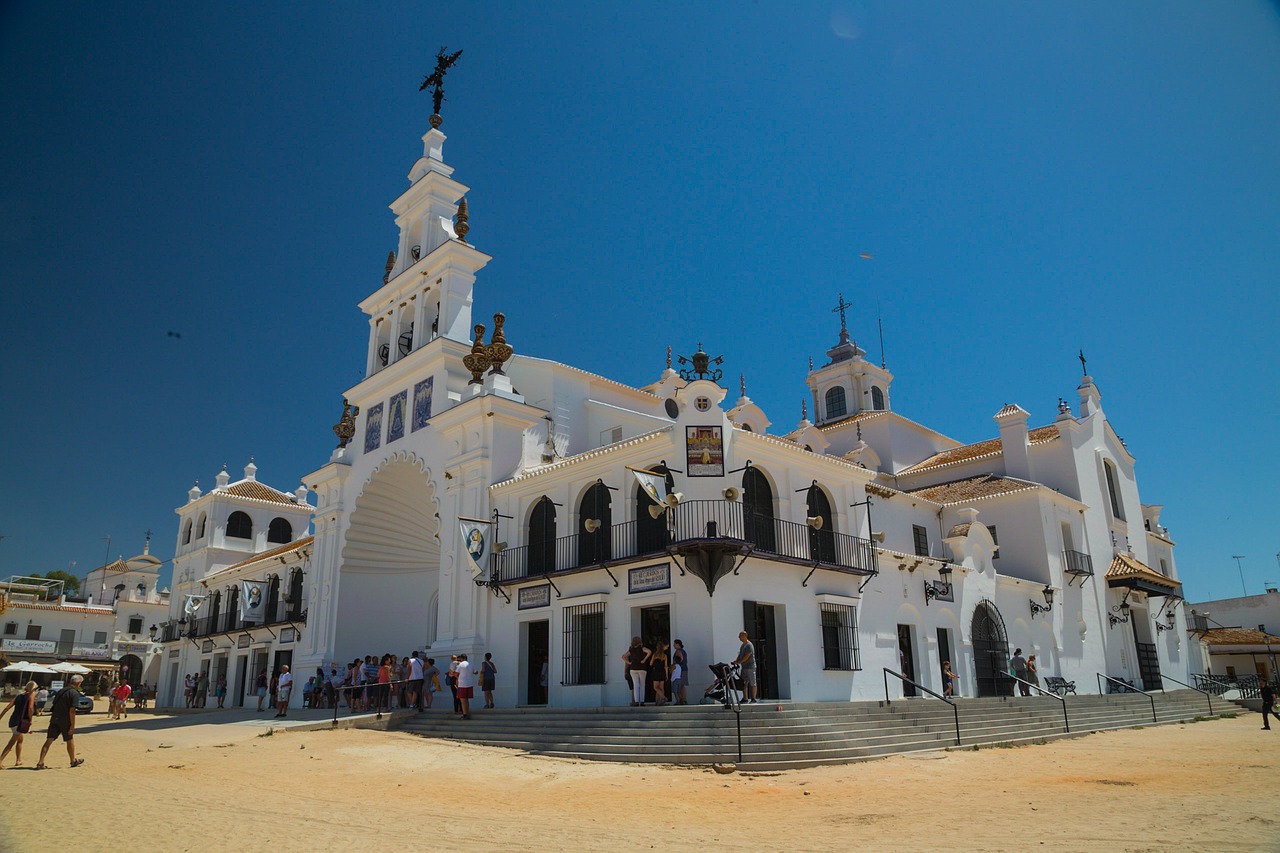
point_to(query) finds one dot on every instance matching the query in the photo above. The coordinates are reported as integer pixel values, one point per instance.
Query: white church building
(853, 542)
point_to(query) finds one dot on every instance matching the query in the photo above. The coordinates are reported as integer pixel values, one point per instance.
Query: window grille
(135, 625)
(584, 644)
(840, 637)
(239, 526)
(836, 406)
(922, 540)
(10, 629)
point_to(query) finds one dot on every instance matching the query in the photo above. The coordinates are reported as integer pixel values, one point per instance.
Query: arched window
(593, 546)
(651, 533)
(280, 531)
(186, 533)
(835, 403)
(542, 537)
(295, 594)
(239, 526)
(200, 528)
(822, 539)
(877, 398)
(757, 509)
(273, 601)
(215, 609)
(1117, 509)
(747, 428)
(233, 607)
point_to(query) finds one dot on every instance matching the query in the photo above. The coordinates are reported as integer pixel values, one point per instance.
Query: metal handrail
(1066, 723)
(1196, 689)
(955, 710)
(1130, 688)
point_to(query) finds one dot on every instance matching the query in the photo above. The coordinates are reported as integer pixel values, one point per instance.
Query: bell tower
(847, 384)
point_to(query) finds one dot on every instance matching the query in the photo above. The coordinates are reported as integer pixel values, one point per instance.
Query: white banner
(253, 601)
(654, 485)
(192, 604)
(475, 540)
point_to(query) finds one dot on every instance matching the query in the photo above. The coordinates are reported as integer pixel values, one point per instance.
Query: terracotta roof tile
(1126, 567)
(980, 450)
(860, 416)
(274, 552)
(971, 488)
(1240, 637)
(258, 492)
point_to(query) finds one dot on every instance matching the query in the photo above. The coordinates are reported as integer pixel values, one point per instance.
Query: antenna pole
(1238, 558)
(880, 324)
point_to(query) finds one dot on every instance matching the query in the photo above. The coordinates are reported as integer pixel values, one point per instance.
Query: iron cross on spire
(435, 80)
(1083, 368)
(840, 309)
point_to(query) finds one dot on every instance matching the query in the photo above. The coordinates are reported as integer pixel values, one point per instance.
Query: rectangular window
(584, 644)
(840, 637)
(66, 639)
(33, 632)
(99, 638)
(996, 539)
(1111, 491)
(612, 435)
(135, 625)
(922, 540)
(11, 629)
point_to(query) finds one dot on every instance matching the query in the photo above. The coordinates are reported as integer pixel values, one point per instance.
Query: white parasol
(27, 666)
(69, 668)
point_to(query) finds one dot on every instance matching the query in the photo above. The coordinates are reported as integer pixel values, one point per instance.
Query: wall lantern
(939, 589)
(1036, 607)
(1123, 608)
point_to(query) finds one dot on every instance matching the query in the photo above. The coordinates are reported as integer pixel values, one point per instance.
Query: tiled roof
(860, 416)
(971, 488)
(258, 492)
(960, 530)
(880, 491)
(980, 450)
(274, 552)
(1010, 409)
(1240, 637)
(585, 455)
(1125, 567)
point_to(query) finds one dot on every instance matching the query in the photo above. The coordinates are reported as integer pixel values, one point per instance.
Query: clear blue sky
(1031, 179)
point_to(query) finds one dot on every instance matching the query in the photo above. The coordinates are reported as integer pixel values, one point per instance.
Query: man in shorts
(747, 660)
(415, 681)
(62, 721)
(284, 686)
(466, 685)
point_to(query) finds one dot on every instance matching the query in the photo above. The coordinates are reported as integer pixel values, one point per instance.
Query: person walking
(948, 679)
(23, 706)
(1033, 673)
(284, 686)
(680, 673)
(636, 657)
(1019, 666)
(747, 660)
(488, 678)
(466, 685)
(42, 699)
(260, 687)
(1268, 704)
(62, 722)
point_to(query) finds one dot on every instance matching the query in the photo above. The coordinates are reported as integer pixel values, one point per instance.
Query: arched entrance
(757, 509)
(131, 670)
(990, 650)
(390, 562)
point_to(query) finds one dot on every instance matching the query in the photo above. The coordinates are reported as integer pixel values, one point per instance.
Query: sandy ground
(214, 782)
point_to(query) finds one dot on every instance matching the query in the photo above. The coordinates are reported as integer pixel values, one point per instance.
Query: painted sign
(242, 642)
(530, 597)
(649, 578)
(395, 416)
(206, 647)
(704, 451)
(105, 653)
(46, 647)
(288, 635)
(422, 402)
(173, 653)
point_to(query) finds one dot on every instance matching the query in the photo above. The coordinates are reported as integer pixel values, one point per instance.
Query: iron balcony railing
(1078, 563)
(690, 521)
(230, 622)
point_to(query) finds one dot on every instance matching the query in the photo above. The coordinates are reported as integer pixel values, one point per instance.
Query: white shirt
(415, 669)
(466, 676)
(285, 682)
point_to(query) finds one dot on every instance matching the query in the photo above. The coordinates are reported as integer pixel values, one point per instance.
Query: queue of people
(662, 671)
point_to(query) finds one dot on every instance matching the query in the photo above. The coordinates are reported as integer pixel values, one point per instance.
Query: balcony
(278, 613)
(1077, 563)
(693, 523)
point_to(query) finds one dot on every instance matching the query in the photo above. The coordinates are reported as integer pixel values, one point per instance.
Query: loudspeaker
(673, 499)
(731, 494)
(878, 535)
(657, 510)
(814, 521)
(500, 547)
(591, 525)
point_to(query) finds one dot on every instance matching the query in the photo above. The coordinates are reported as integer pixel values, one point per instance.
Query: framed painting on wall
(704, 451)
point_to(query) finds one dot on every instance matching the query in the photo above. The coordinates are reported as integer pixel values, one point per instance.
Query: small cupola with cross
(847, 384)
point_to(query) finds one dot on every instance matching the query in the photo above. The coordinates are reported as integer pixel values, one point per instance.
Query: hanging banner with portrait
(704, 451)
(475, 541)
(253, 601)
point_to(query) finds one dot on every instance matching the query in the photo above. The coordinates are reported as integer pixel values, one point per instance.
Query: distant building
(1239, 634)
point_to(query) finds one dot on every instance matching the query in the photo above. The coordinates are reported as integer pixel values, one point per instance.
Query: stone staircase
(786, 736)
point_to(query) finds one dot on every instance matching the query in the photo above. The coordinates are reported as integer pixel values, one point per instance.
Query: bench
(1059, 686)
(1125, 686)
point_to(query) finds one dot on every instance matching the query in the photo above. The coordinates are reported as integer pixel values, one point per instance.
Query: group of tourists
(662, 671)
(62, 721)
(389, 683)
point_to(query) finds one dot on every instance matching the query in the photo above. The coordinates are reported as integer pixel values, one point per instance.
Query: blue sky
(1031, 179)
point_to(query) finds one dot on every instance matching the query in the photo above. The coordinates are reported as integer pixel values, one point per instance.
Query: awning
(1128, 573)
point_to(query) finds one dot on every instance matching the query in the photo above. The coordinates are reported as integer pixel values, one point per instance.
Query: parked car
(84, 705)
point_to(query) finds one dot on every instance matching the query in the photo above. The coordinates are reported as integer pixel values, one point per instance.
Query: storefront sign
(288, 635)
(46, 647)
(649, 578)
(530, 597)
(121, 648)
(104, 653)
(206, 646)
(243, 641)
(173, 653)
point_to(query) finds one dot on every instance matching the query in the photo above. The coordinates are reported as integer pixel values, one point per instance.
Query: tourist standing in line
(189, 690)
(62, 722)
(466, 685)
(220, 691)
(747, 660)
(488, 678)
(1268, 704)
(452, 680)
(260, 687)
(637, 659)
(1019, 665)
(284, 686)
(202, 689)
(23, 706)
(430, 684)
(414, 673)
(680, 674)
(384, 682)
(948, 679)
(658, 672)
(400, 676)
(1033, 672)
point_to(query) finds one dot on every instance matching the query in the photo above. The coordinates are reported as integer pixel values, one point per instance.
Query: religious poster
(475, 539)
(373, 428)
(253, 601)
(653, 484)
(395, 416)
(704, 451)
(422, 402)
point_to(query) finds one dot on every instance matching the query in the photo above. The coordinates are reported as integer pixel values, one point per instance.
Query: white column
(420, 333)
(393, 343)
(372, 367)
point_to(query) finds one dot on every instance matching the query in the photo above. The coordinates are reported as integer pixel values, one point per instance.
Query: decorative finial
(1083, 368)
(498, 350)
(477, 361)
(435, 82)
(804, 409)
(701, 366)
(1064, 408)
(859, 430)
(840, 309)
(391, 262)
(461, 228)
(345, 428)
(742, 383)
(668, 356)
(811, 364)
(146, 546)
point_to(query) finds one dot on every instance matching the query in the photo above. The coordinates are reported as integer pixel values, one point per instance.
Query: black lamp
(1122, 607)
(934, 589)
(1036, 607)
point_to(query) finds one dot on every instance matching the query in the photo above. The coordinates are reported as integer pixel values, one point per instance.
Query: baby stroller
(727, 687)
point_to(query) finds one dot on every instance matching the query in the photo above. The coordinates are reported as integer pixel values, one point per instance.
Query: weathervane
(840, 309)
(435, 82)
(701, 366)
